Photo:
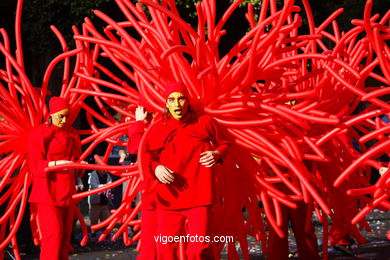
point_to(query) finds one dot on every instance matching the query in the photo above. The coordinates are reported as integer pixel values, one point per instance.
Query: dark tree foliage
(353, 9)
(39, 15)
(41, 44)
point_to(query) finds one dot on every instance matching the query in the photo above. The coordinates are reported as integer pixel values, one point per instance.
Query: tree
(41, 44)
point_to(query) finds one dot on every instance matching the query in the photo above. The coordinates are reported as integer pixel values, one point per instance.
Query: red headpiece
(172, 87)
(57, 104)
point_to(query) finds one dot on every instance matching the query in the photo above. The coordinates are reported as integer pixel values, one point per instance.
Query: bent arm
(37, 154)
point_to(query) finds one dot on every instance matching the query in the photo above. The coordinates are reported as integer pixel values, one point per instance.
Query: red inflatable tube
(15, 248)
(64, 49)
(12, 232)
(375, 134)
(315, 148)
(133, 239)
(313, 119)
(361, 191)
(328, 20)
(10, 209)
(84, 229)
(285, 202)
(54, 62)
(372, 152)
(255, 147)
(134, 23)
(305, 184)
(283, 114)
(107, 230)
(270, 217)
(14, 186)
(24, 80)
(367, 209)
(100, 189)
(353, 121)
(115, 87)
(18, 33)
(6, 177)
(276, 170)
(134, 212)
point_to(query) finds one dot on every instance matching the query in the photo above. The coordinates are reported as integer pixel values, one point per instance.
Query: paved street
(377, 248)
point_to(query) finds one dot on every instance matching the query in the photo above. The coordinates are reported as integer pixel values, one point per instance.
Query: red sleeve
(135, 133)
(154, 145)
(37, 153)
(76, 151)
(217, 136)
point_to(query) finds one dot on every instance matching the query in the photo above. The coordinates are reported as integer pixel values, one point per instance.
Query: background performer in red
(136, 130)
(51, 144)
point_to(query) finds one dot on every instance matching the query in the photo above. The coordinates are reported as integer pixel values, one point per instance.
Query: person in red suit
(300, 219)
(51, 144)
(148, 250)
(183, 148)
(305, 237)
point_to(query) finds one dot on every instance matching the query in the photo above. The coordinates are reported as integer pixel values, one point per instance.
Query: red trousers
(148, 250)
(303, 231)
(193, 224)
(55, 225)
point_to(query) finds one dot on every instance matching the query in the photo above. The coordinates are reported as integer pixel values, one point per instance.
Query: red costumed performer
(51, 195)
(183, 147)
(149, 217)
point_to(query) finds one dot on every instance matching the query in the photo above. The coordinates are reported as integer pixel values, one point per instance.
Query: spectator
(99, 204)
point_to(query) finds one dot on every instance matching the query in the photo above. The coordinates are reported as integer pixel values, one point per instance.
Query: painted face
(59, 118)
(177, 105)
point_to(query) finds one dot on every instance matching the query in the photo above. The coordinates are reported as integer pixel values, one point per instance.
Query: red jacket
(135, 133)
(50, 143)
(177, 144)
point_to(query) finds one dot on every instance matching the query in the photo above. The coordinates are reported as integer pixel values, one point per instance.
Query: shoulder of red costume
(71, 131)
(157, 124)
(41, 130)
(205, 118)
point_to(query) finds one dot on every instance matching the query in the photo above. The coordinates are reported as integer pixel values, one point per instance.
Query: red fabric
(144, 103)
(55, 224)
(172, 87)
(148, 250)
(57, 104)
(172, 223)
(304, 235)
(177, 144)
(135, 133)
(50, 143)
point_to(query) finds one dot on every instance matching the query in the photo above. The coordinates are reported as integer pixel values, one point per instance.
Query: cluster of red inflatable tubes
(283, 98)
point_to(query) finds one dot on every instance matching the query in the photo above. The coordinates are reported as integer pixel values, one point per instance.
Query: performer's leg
(198, 226)
(170, 223)
(304, 232)
(50, 225)
(278, 247)
(67, 220)
(148, 231)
